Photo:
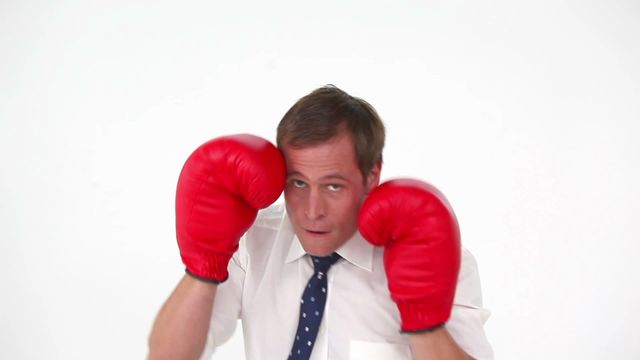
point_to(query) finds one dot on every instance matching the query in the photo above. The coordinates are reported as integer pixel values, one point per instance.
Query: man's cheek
(291, 200)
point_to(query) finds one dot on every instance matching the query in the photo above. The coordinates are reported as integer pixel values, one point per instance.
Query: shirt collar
(356, 250)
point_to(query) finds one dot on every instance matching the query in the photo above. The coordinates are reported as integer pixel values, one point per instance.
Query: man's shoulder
(265, 227)
(259, 241)
(270, 217)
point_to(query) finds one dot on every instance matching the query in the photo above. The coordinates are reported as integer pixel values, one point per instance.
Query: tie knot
(322, 264)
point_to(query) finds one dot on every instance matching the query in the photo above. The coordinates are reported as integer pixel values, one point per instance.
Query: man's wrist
(435, 345)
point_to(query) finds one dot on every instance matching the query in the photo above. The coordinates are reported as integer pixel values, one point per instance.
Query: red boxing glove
(417, 227)
(221, 187)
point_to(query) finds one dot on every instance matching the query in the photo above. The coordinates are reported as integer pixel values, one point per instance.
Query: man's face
(324, 191)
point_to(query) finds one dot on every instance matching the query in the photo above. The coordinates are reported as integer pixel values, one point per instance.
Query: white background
(524, 113)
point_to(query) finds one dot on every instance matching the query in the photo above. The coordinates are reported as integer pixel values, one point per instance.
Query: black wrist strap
(211, 281)
(420, 331)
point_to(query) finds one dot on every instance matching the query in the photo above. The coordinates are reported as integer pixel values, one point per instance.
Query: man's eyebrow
(294, 173)
(335, 176)
(327, 177)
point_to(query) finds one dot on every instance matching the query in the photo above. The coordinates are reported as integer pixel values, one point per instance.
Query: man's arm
(181, 327)
(418, 228)
(221, 186)
(435, 345)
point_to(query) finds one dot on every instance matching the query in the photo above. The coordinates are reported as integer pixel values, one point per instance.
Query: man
(304, 281)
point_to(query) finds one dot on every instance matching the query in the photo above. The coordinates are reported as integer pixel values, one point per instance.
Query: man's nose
(315, 208)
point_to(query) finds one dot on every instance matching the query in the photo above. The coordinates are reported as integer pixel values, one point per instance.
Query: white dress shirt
(267, 276)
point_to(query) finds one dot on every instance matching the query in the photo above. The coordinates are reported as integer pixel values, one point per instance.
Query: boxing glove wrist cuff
(211, 268)
(211, 281)
(423, 314)
(420, 331)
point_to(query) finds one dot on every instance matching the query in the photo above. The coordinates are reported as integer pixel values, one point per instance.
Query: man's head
(332, 144)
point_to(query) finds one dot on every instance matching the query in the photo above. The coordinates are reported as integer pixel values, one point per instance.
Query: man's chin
(317, 246)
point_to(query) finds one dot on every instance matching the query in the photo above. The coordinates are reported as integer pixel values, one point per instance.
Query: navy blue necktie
(312, 308)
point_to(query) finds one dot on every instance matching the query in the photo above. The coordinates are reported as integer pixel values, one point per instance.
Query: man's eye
(334, 187)
(298, 183)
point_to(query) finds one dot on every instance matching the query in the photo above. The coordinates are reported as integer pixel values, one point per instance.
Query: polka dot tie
(312, 308)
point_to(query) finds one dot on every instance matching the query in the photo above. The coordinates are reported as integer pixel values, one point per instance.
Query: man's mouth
(316, 232)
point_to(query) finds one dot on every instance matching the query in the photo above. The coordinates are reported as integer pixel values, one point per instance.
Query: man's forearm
(436, 345)
(181, 327)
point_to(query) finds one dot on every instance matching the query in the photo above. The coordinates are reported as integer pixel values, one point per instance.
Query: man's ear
(373, 179)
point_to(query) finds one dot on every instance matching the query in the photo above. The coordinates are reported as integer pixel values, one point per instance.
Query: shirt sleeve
(467, 315)
(227, 303)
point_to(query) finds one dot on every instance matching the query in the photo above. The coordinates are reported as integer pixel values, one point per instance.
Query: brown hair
(319, 117)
